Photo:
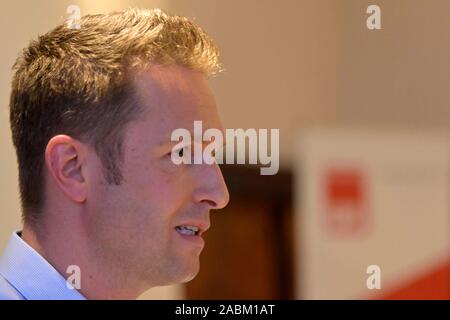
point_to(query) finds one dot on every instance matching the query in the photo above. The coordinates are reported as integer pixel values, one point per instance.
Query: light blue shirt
(26, 275)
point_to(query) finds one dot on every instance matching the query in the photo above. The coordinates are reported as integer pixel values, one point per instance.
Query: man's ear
(65, 160)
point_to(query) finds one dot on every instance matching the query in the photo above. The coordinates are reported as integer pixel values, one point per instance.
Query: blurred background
(360, 206)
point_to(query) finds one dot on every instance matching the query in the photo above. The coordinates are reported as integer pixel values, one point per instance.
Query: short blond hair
(76, 82)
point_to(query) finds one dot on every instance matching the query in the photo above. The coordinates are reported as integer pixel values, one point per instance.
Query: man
(92, 111)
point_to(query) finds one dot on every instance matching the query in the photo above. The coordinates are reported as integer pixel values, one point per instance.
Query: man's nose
(211, 187)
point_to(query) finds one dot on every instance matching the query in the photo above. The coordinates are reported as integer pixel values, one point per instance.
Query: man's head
(92, 111)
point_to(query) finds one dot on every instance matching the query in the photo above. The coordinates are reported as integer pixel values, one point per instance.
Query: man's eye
(179, 152)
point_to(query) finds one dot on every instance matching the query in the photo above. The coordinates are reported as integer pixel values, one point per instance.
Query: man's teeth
(187, 230)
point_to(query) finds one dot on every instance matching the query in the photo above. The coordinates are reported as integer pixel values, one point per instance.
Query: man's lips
(193, 227)
(192, 231)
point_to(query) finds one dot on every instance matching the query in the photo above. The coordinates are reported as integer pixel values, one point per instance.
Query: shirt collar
(31, 275)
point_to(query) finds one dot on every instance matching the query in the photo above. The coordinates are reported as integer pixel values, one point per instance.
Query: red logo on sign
(345, 201)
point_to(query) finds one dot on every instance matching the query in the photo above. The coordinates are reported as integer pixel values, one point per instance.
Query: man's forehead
(174, 97)
(173, 86)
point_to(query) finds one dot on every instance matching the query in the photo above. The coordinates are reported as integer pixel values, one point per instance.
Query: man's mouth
(188, 230)
(192, 234)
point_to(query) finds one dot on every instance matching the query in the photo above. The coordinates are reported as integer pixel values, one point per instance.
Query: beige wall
(294, 64)
(399, 75)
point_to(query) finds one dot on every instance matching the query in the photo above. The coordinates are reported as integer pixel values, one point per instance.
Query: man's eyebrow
(167, 139)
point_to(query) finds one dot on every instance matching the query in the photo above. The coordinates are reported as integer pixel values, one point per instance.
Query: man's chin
(184, 273)
(191, 273)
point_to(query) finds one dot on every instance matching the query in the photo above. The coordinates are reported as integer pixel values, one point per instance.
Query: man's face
(134, 225)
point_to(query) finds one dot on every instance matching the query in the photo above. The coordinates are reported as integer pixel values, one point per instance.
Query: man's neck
(64, 249)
